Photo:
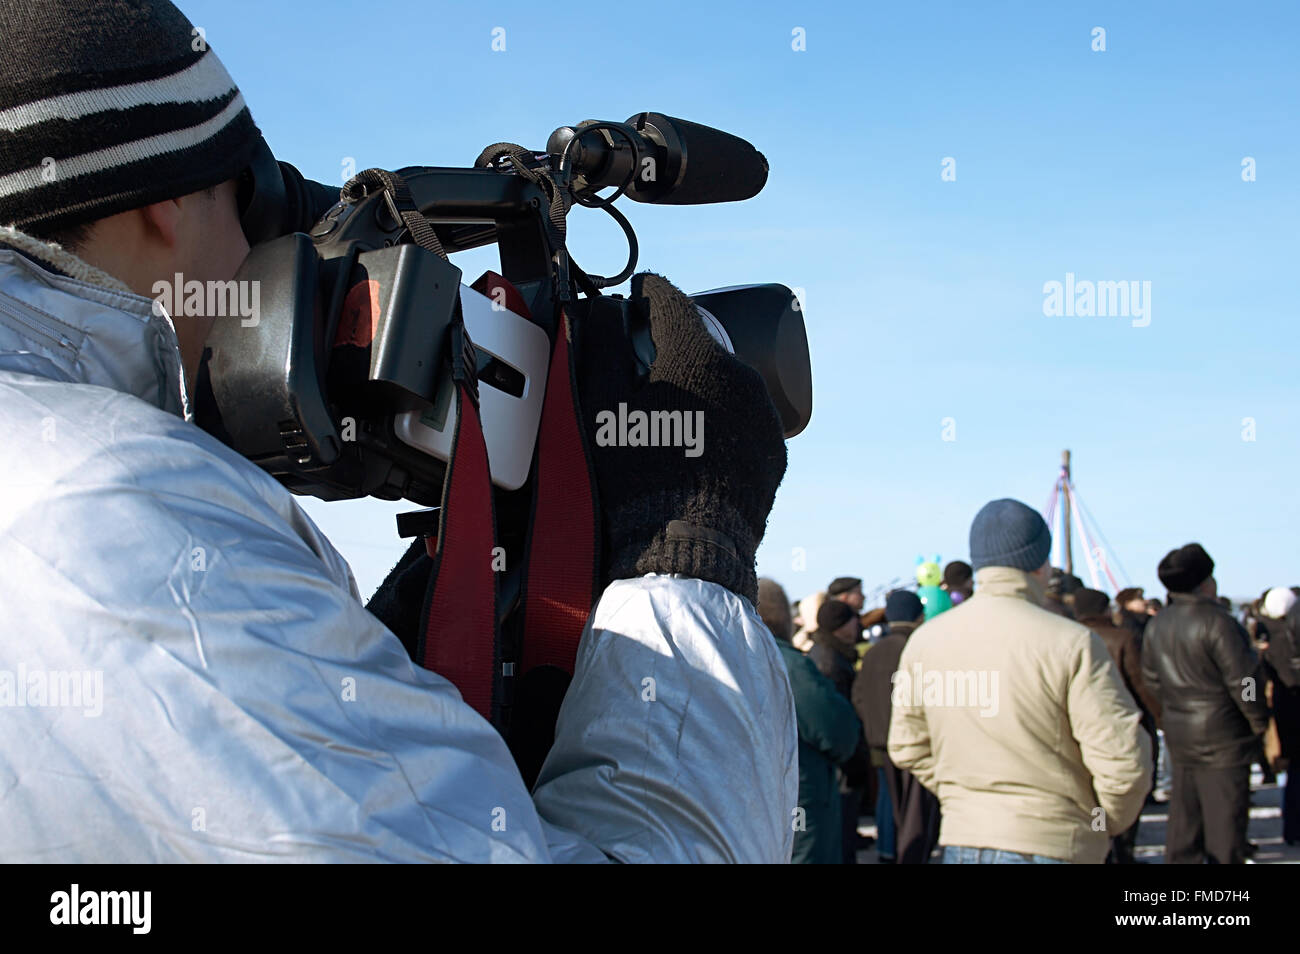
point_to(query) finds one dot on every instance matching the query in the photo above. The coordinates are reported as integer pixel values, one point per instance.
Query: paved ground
(1265, 829)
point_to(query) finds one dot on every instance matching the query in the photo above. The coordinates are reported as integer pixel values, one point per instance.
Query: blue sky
(924, 297)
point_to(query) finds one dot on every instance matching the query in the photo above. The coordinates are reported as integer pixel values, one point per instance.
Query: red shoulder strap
(563, 551)
(461, 640)
(559, 587)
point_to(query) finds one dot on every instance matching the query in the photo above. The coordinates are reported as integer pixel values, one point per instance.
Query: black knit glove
(399, 601)
(699, 506)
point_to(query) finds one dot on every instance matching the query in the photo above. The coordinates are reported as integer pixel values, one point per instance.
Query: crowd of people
(1024, 723)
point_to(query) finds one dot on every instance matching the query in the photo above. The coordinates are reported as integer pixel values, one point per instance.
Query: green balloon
(935, 600)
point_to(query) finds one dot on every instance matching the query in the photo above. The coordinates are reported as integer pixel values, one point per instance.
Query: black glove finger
(681, 340)
(399, 601)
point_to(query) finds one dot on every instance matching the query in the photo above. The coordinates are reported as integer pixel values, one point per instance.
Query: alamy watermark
(946, 688)
(53, 689)
(651, 429)
(131, 909)
(1086, 299)
(212, 299)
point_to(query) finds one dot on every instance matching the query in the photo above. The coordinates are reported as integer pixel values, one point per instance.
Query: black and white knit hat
(109, 105)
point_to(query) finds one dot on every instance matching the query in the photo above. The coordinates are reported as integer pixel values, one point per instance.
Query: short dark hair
(843, 584)
(71, 237)
(1129, 593)
(74, 237)
(957, 573)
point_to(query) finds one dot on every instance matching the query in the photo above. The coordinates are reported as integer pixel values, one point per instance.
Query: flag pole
(1065, 504)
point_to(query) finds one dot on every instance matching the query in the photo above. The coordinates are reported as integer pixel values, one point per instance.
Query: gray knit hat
(110, 105)
(1008, 533)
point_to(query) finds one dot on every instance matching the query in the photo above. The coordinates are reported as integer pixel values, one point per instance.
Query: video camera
(341, 388)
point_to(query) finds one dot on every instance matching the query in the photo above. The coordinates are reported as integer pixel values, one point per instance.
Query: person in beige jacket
(1015, 717)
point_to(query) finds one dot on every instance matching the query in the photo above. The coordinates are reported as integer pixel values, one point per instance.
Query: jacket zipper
(32, 328)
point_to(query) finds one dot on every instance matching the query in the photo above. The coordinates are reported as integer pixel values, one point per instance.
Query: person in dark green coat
(829, 731)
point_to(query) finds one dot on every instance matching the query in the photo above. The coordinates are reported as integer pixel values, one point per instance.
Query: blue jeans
(886, 836)
(957, 855)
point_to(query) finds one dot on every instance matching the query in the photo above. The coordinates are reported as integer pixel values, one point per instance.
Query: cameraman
(186, 673)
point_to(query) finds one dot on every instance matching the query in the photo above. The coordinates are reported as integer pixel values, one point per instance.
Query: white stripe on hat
(125, 154)
(204, 80)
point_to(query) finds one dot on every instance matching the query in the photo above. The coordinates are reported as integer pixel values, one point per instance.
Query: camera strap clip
(401, 206)
(464, 359)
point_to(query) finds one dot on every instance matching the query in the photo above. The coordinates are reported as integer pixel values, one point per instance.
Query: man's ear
(162, 219)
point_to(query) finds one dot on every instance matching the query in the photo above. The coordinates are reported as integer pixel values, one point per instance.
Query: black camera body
(341, 386)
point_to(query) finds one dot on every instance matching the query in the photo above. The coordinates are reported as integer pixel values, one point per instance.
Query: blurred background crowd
(1216, 685)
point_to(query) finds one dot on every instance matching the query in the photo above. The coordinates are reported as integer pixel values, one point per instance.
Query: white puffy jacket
(186, 673)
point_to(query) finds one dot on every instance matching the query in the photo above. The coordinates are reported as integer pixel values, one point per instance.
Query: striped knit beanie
(110, 105)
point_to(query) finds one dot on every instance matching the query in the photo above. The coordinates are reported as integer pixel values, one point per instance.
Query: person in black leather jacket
(1198, 662)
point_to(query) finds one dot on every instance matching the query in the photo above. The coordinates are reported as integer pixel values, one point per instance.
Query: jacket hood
(104, 334)
(1008, 581)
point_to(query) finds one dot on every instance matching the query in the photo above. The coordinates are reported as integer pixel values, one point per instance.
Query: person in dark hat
(1009, 790)
(1058, 595)
(834, 653)
(907, 815)
(1131, 610)
(838, 629)
(828, 736)
(1197, 661)
(1092, 609)
(847, 589)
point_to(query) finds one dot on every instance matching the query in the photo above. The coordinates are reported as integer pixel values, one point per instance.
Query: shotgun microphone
(662, 160)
